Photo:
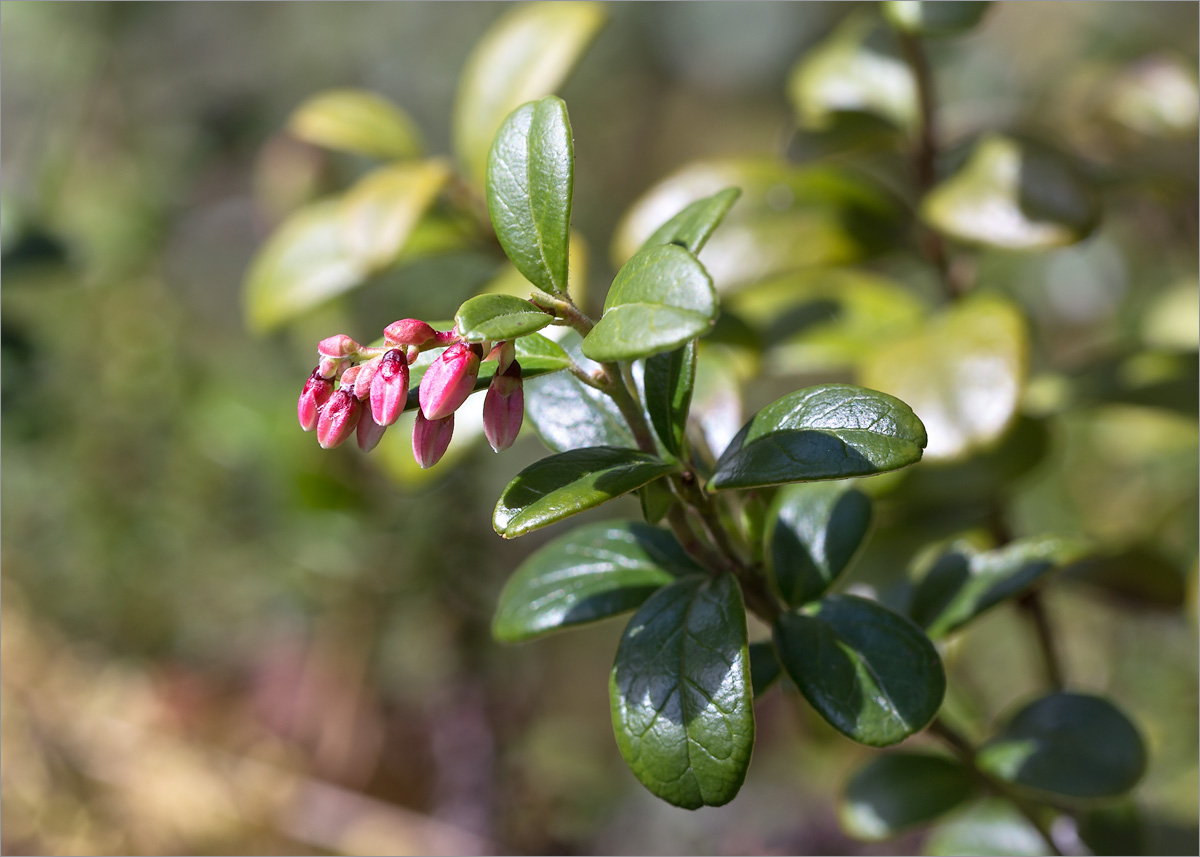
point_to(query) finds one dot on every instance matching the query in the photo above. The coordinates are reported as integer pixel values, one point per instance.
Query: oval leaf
(1068, 744)
(680, 690)
(964, 583)
(896, 791)
(531, 173)
(992, 827)
(382, 210)
(497, 317)
(593, 572)
(963, 373)
(660, 299)
(656, 499)
(813, 531)
(832, 431)
(526, 55)
(868, 671)
(691, 227)
(933, 19)
(1013, 195)
(568, 483)
(355, 120)
(667, 391)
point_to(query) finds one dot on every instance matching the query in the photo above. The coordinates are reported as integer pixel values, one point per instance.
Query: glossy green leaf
(868, 671)
(355, 120)
(832, 431)
(667, 393)
(656, 499)
(527, 54)
(497, 317)
(660, 299)
(1015, 196)
(896, 791)
(680, 690)
(530, 181)
(993, 827)
(963, 373)
(852, 73)
(691, 227)
(568, 483)
(303, 264)
(382, 210)
(964, 583)
(934, 19)
(593, 572)
(765, 668)
(814, 530)
(1072, 745)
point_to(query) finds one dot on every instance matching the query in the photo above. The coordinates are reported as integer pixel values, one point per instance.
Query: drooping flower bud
(366, 374)
(504, 407)
(389, 388)
(408, 331)
(503, 353)
(449, 381)
(315, 394)
(338, 419)
(340, 345)
(369, 431)
(430, 439)
(331, 367)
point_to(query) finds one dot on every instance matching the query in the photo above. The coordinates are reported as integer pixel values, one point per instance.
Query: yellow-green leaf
(382, 210)
(355, 120)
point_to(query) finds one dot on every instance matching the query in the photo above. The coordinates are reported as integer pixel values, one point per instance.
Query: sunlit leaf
(934, 19)
(896, 791)
(692, 227)
(498, 317)
(993, 827)
(355, 120)
(382, 210)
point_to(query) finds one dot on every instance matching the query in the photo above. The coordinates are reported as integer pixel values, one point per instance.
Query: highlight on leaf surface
(356, 120)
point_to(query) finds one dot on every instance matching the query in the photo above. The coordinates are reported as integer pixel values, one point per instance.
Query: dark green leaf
(1013, 195)
(964, 583)
(868, 671)
(660, 299)
(1114, 829)
(680, 689)
(667, 388)
(764, 666)
(813, 531)
(900, 790)
(1068, 744)
(656, 498)
(355, 120)
(691, 227)
(832, 431)
(568, 483)
(593, 572)
(993, 827)
(525, 55)
(568, 414)
(530, 178)
(497, 317)
(934, 19)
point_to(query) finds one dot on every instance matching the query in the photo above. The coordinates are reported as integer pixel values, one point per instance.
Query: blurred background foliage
(218, 639)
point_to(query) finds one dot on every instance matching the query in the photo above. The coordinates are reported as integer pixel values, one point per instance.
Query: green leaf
(497, 317)
(813, 531)
(964, 583)
(660, 299)
(525, 55)
(593, 572)
(934, 19)
(530, 177)
(993, 827)
(382, 210)
(667, 387)
(354, 120)
(568, 483)
(303, 264)
(868, 671)
(680, 690)
(896, 791)
(832, 431)
(765, 668)
(1013, 195)
(963, 373)
(1071, 745)
(1113, 829)
(691, 227)
(656, 499)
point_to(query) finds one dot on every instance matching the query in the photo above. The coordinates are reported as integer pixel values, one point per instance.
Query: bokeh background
(217, 638)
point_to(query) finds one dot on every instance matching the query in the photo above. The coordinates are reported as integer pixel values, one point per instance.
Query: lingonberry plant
(765, 519)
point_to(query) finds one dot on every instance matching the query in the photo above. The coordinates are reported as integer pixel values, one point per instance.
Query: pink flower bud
(449, 381)
(430, 439)
(315, 394)
(504, 407)
(369, 431)
(331, 367)
(337, 346)
(503, 353)
(389, 388)
(408, 331)
(366, 374)
(350, 376)
(338, 419)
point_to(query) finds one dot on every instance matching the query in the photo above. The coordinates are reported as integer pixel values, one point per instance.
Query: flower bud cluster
(362, 390)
